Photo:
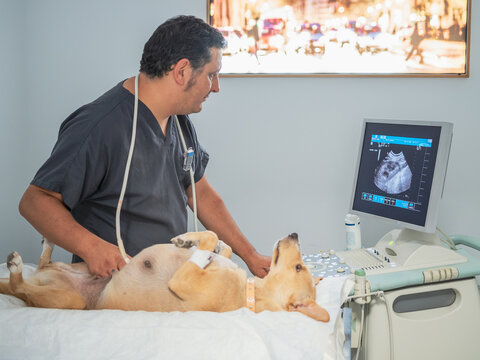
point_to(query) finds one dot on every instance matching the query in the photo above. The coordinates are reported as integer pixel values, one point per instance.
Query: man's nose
(215, 85)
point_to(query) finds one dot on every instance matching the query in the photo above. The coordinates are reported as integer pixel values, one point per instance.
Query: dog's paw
(223, 249)
(181, 242)
(14, 263)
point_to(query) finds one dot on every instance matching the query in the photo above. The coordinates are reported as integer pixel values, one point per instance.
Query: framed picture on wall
(415, 38)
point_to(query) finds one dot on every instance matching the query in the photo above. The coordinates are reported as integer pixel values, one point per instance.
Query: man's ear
(311, 309)
(182, 72)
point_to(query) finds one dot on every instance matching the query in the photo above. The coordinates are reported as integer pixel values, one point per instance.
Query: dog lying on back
(184, 276)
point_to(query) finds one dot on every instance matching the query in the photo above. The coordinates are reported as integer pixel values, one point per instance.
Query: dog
(194, 273)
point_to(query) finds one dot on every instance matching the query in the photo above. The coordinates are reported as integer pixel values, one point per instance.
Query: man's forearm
(45, 211)
(215, 216)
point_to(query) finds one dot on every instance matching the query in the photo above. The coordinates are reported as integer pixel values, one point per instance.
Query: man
(72, 199)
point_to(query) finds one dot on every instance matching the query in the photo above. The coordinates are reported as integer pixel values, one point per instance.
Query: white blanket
(33, 333)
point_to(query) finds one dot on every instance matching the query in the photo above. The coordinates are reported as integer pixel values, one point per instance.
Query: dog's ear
(317, 280)
(276, 252)
(311, 309)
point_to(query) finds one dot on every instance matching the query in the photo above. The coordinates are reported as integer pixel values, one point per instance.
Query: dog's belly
(72, 276)
(143, 283)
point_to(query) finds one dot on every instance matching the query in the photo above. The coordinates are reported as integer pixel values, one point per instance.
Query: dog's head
(290, 282)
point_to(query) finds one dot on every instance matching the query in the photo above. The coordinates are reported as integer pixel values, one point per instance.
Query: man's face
(202, 83)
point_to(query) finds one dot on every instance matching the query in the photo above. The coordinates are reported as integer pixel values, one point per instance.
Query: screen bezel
(438, 181)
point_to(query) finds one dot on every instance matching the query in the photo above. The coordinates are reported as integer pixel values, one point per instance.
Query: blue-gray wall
(282, 149)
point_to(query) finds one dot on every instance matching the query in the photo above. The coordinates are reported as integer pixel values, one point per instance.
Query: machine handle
(469, 241)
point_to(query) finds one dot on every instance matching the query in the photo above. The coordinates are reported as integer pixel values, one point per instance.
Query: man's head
(181, 37)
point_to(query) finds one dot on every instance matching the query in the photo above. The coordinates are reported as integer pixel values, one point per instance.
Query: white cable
(449, 242)
(380, 294)
(192, 177)
(125, 176)
(360, 331)
(127, 171)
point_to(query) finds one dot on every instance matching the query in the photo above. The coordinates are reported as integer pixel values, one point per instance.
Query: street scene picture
(356, 37)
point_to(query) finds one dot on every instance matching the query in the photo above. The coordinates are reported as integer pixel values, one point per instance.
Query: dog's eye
(147, 264)
(298, 267)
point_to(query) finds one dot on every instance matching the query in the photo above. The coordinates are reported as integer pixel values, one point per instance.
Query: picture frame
(380, 38)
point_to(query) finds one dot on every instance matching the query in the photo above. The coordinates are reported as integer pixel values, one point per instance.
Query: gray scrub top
(88, 162)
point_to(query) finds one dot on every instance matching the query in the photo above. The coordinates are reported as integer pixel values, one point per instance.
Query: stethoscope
(187, 166)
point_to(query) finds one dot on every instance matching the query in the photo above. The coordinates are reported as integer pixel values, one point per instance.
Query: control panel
(369, 259)
(326, 263)
(372, 261)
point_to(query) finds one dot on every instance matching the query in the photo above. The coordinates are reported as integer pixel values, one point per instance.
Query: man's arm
(214, 215)
(46, 212)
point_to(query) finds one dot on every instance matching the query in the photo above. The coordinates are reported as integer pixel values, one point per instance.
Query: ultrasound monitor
(401, 171)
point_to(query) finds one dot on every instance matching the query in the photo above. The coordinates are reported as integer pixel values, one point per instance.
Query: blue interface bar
(388, 201)
(399, 140)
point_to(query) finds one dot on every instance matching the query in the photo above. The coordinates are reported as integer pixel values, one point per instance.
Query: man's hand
(104, 259)
(258, 264)
(47, 212)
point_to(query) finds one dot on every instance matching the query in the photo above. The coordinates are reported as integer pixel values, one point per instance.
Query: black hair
(181, 37)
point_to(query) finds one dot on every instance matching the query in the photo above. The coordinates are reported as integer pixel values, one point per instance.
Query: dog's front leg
(188, 281)
(209, 289)
(204, 240)
(191, 279)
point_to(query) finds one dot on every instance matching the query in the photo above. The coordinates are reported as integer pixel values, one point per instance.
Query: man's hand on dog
(104, 260)
(258, 264)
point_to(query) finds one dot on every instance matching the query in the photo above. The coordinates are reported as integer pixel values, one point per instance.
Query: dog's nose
(293, 236)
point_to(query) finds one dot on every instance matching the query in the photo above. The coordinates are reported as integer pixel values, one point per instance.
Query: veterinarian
(73, 197)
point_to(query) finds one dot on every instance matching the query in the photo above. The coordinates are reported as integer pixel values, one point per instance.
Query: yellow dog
(193, 273)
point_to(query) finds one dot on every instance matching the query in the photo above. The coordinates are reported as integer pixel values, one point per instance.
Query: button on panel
(326, 264)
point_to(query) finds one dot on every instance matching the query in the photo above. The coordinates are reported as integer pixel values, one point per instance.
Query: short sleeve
(76, 166)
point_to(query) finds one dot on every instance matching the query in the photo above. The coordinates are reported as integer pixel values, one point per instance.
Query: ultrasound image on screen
(393, 175)
(396, 169)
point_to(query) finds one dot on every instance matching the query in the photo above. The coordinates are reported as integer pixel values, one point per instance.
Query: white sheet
(33, 333)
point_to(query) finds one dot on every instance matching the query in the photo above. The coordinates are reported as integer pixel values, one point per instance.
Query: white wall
(282, 149)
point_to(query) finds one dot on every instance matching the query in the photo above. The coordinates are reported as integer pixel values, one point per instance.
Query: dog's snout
(294, 236)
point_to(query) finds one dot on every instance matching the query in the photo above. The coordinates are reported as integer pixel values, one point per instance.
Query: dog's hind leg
(15, 266)
(5, 287)
(47, 296)
(46, 256)
(15, 283)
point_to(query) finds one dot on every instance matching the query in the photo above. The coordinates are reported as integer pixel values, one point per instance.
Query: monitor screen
(401, 171)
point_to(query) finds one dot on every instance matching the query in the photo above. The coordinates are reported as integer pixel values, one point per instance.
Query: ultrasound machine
(415, 294)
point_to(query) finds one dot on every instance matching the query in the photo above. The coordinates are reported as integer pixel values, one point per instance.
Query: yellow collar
(250, 294)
